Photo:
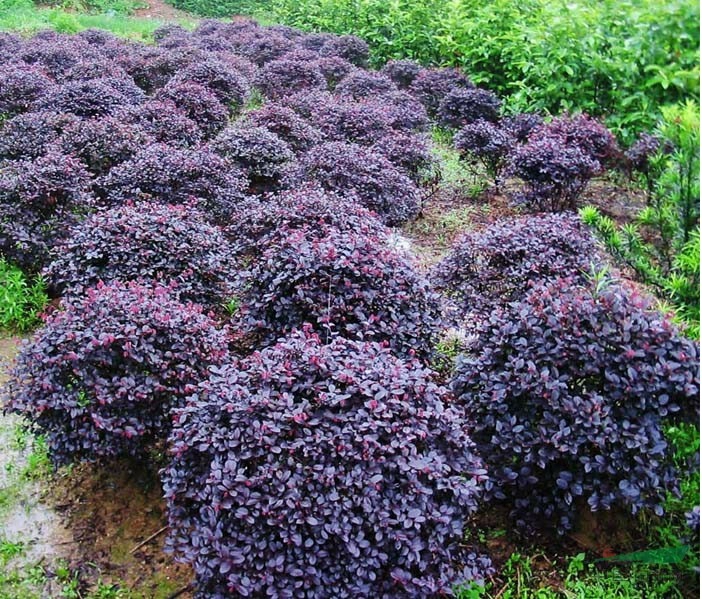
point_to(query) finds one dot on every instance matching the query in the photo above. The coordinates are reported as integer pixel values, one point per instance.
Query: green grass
(21, 299)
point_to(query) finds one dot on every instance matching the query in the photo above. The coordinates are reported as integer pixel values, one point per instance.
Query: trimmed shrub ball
(102, 143)
(262, 47)
(487, 144)
(490, 268)
(347, 284)
(521, 125)
(323, 471)
(164, 122)
(168, 175)
(22, 87)
(359, 84)
(198, 103)
(152, 68)
(91, 98)
(286, 124)
(95, 68)
(431, 86)
(334, 69)
(358, 122)
(284, 77)
(261, 154)
(101, 377)
(308, 207)
(571, 392)
(461, 107)
(555, 173)
(32, 134)
(402, 72)
(39, 201)
(225, 82)
(355, 172)
(404, 112)
(55, 53)
(168, 244)
(410, 153)
(348, 47)
(306, 104)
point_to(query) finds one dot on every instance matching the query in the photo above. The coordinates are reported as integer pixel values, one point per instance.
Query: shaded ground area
(157, 9)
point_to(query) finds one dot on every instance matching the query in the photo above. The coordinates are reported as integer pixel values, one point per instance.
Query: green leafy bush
(21, 299)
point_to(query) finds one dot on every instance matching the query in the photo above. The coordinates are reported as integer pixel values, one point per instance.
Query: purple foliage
(55, 53)
(306, 104)
(31, 134)
(152, 68)
(163, 121)
(348, 47)
(262, 47)
(21, 87)
(342, 284)
(402, 72)
(283, 77)
(94, 97)
(362, 123)
(260, 153)
(95, 68)
(404, 112)
(169, 175)
(360, 84)
(355, 172)
(485, 143)
(101, 377)
(410, 153)
(173, 245)
(555, 173)
(286, 124)
(225, 82)
(571, 392)
(463, 106)
(639, 156)
(338, 467)
(102, 143)
(488, 269)
(431, 86)
(334, 69)
(198, 103)
(39, 200)
(521, 125)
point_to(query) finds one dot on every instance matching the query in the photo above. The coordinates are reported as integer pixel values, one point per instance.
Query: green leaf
(665, 555)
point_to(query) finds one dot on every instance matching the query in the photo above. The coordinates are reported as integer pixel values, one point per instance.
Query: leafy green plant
(21, 299)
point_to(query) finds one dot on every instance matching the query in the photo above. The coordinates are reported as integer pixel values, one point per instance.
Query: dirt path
(158, 9)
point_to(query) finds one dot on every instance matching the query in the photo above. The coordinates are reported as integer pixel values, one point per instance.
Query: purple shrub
(641, 153)
(491, 268)
(153, 68)
(463, 106)
(306, 104)
(21, 87)
(262, 155)
(169, 30)
(348, 47)
(315, 41)
(409, 153)
(521, 125)
(402, 72)
(169, 244)
(283, 77)
(31, 134)
(101, 377)
(10, 46)
(230, 86)
(334, 69)
(362, 123)
(163, 121)
(340, 283)
(168, 175)
(487, 144)
(404, 112)
(198, 103)
(39, 200)
(102, 143)
(359, 84)
(360, 174)
(431, 86)
(570, 392)
(286, 124)
(95, 68)
(338, 467)
(262, 47)
(555, 173)
(91, 98)
(55, 53)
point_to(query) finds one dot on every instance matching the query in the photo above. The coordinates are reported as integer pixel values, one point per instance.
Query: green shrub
(21, 299)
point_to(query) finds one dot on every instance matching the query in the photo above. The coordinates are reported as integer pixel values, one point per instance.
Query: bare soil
(158, 9)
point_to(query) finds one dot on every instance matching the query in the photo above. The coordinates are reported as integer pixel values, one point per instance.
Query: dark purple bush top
(315, 470)
(283, 77)
(357, 122)
(348, 47)
(225, 82)
(341, 283)
(403, 72)
(162, 243)
(570, 392)
(355, 172)
(163, 121)
(489, 268)
(410, 153)
(642, 151)
(260, 153)
(93, 97)
(521, 125)
(286, 124)
(359, 84)
(101, 377)
(152, 68)
(169, 175)
(485, 143)
(21, 87)
(431, 86)
(198, 103)
(334, 69)
(39, 200)
(31, 134)
(463, 106)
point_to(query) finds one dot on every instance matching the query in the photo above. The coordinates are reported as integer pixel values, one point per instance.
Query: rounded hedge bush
(101, 377)
(32, 134)
(286, 124)
(571, 391)
(315, 470)
(171, 245)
